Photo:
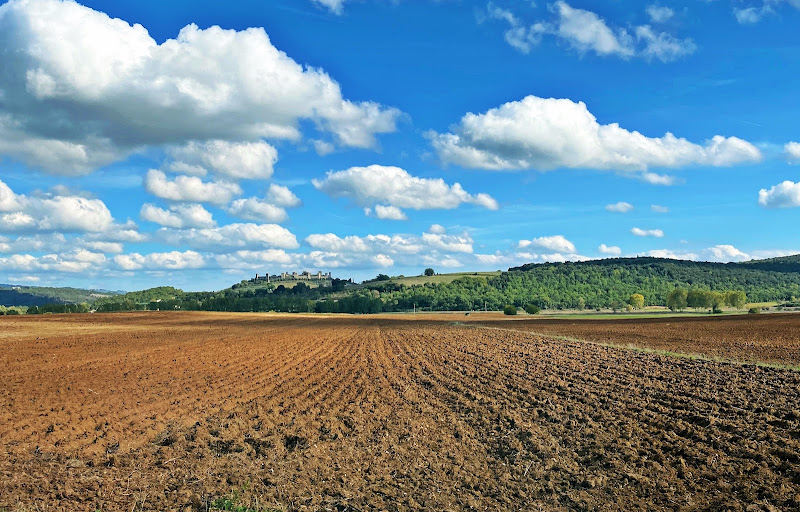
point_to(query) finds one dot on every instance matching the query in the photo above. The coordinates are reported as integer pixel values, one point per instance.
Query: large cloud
(782, 195)
(51, 212)
(543, 134)
(81, 89)
(245, 160)
(393, 186)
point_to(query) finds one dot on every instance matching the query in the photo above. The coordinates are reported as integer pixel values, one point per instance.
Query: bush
(754, 311)
(509, 310)
(532, 309)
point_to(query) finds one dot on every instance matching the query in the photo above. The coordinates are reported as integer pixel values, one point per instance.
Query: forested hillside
(591, 284)
(11, 295)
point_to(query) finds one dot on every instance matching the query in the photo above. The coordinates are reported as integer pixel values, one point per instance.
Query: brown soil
(168, 411)
(771, 338)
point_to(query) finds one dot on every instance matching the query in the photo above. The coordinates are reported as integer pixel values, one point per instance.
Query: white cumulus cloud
(782, 195)
(82, 89)
(393, 186)
(548, 133)
(556, 243)
(611, 250)
(174, 260)
(190, 188)
(178, 216)
(236, 160)
(791, 149)
(51, 212)
(231, 236)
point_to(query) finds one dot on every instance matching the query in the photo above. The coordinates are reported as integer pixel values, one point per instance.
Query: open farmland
(170, 411)
(773, 338)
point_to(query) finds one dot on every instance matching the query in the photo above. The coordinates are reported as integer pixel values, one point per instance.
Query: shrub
(532, 309)
(510, 310)
(754, 311)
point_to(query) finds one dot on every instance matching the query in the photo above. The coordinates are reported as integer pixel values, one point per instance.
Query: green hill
(591, 284)
(12, 295)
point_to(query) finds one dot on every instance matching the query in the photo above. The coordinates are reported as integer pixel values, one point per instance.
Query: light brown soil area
(168, 411)
(771, 338)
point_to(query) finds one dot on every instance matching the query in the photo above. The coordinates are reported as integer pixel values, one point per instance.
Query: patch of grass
(233, 503)
(438, 278)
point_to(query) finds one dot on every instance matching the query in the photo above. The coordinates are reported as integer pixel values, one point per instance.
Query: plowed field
(171, 411)
(773, 338)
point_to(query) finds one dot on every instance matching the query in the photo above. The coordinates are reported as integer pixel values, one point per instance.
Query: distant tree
(532, 309)
(636, 301)
(716, 300)
(676, 300)
(382, 277)
(510, 310)
(735, 299)
(581, 303)
(429, 272)
(697, 299)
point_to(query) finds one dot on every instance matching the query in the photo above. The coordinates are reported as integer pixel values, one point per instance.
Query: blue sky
(195, 144)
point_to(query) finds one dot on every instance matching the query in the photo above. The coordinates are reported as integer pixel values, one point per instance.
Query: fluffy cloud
(174, 260)
(657, 233)
(255, 209)
(386, 212)
(49, 212)
(178, 216)
(237, 160)
(231, 236)
(545, 134)
(556, 243)
(367, 186)
(658, 208)
(82, 89)
(791, 150)
(74, 262)
(449, 243)
(407, 245)
(612, 250)
(282, 196)
(620, 207)
(190, 188)
(726, 253)
(271, 209)
(783, 195)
